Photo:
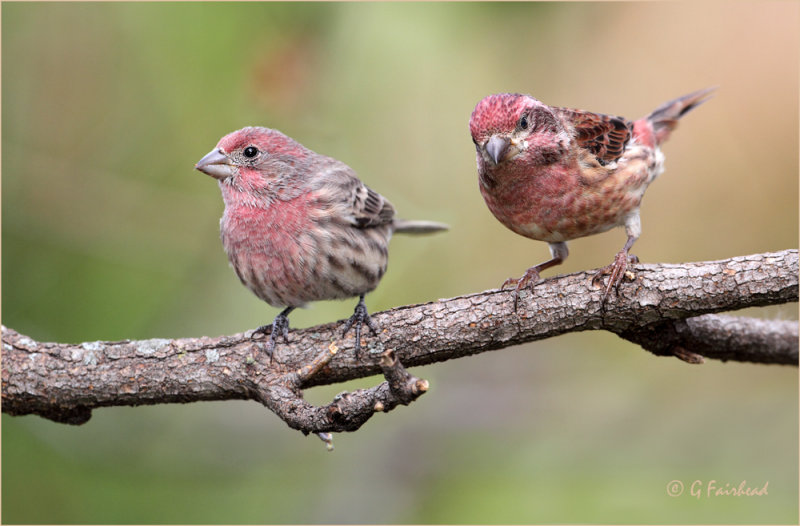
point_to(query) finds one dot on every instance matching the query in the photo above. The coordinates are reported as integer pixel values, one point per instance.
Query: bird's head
(509, 127)
(254, 158)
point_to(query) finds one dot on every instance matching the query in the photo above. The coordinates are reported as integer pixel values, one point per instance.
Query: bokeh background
(108, 233)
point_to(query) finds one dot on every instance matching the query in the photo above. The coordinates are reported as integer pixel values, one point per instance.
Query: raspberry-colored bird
(555, 174)
(299, 226)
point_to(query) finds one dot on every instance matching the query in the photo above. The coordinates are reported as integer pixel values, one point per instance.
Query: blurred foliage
(108, 233)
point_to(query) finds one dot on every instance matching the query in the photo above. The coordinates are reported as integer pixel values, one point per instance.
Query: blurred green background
(108, 233)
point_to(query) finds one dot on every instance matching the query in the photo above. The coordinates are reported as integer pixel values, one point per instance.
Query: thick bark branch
(667, 309)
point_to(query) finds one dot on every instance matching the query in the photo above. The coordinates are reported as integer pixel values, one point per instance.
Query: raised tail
(404, 226)
(665, 118)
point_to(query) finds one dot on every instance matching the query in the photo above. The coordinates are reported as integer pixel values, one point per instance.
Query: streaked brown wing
(347, 198)
(370, 208)
(604, 135)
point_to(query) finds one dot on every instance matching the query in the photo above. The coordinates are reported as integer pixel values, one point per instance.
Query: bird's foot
(530, 278)
(279, 326)
(616, 271)
(360, 316)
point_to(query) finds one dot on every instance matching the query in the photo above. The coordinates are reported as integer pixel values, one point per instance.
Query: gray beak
(496, 147)
(216, 164)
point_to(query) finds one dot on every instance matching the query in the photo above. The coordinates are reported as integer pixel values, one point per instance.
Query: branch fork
(282, 394)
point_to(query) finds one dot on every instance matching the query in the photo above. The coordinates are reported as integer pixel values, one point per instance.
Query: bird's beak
(216, 164)
(497, 147)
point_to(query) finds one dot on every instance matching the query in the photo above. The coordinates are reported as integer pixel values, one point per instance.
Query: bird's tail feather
(405, 226)
(665, 118)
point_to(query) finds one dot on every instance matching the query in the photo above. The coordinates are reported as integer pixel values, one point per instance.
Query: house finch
(299, 226)
(555, 174)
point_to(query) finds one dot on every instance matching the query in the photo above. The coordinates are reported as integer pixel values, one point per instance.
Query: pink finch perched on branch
(299, 226)
(555, 174)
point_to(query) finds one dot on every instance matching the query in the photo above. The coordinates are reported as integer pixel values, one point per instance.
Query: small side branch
(282, 394)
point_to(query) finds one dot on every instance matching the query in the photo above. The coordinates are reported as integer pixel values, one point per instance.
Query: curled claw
(360, 316)
(509, 281)
(557, 250)
(280, 325)
(616, 272)
(530, 278)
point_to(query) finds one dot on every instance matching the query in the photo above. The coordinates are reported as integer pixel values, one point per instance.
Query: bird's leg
(559, 253)
(359, 317)
(280, 325)
(619, 266)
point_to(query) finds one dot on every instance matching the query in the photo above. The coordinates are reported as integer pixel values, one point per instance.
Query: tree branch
(666, 308)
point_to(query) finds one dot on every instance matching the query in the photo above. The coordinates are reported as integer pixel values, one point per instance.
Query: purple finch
(299, 226)
(555, 174)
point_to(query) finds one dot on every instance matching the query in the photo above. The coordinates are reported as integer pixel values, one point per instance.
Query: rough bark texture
(668, 309)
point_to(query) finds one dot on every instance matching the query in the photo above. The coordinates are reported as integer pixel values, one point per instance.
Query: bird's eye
(523, 122)
(250, 152)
